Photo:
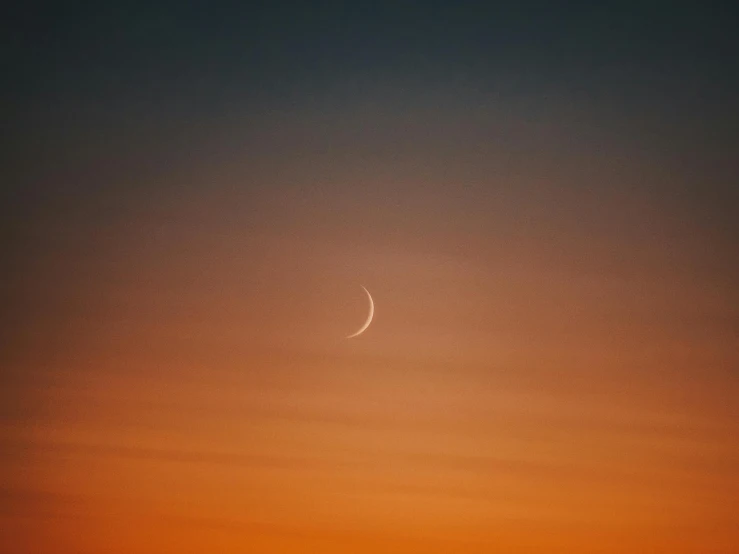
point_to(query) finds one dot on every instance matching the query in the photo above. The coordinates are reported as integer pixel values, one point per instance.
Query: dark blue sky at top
(669, 68)
(281, 46)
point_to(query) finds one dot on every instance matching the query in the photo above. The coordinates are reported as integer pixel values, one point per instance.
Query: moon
(369, 317)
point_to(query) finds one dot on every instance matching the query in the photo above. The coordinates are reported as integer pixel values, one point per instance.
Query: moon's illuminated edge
(369, 317)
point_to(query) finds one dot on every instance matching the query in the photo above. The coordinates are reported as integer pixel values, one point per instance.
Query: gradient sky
(542, 201)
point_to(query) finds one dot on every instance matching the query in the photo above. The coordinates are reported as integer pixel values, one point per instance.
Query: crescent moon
(369, 317)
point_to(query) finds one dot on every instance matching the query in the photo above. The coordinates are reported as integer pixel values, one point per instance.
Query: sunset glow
(555, 367)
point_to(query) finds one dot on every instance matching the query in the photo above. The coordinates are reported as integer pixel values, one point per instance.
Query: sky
(540, 198)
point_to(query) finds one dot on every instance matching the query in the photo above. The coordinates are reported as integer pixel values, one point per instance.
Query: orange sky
(551, 368)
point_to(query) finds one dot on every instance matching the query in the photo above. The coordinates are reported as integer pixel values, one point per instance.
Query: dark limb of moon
(369, 316)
